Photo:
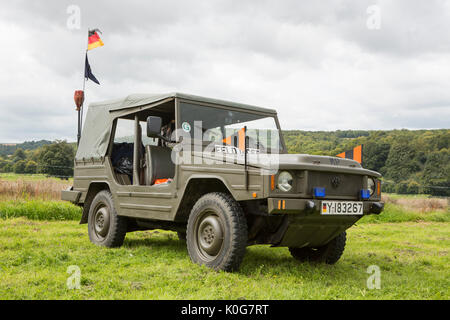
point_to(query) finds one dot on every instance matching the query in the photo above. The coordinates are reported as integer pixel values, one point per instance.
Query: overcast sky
(324, 65)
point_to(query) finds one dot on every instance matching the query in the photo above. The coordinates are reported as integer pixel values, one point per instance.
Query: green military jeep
(218, 174)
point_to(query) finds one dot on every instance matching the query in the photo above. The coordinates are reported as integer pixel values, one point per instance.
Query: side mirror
(154, 127)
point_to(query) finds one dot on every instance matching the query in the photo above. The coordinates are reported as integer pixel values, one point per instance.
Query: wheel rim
(101, 221)
(209, 235)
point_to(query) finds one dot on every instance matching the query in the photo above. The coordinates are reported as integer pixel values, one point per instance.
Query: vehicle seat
(159, 164)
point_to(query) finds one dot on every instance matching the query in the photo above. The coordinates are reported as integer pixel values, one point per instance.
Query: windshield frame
(178, 101)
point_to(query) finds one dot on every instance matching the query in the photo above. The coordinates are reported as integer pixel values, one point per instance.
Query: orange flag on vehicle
(239, 137)
(354, 154)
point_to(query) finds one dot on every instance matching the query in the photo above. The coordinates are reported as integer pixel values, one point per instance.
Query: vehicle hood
(275, 162)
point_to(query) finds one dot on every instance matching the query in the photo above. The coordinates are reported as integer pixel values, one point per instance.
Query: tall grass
(417, 204)
(35, 197)
(39, 210)
(44, 189)
(411, 209)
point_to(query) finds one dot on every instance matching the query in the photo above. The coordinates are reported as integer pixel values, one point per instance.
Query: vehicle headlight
(285, 181)
(371, 185)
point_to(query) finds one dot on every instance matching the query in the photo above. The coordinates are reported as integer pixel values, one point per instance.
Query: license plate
(342, 208)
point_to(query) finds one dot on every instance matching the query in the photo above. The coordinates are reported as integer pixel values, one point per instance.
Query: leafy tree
(436, 173)
(8, 167)
(413, 187)
(2, 164)
(388, 187)
(401, 162)
(19, 166)
(401, 188)
(375, 155)
(57, 159)
(19, 155)
(31, 167)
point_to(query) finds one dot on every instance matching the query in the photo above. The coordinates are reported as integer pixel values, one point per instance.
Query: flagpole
(84, 77)
(80, 112)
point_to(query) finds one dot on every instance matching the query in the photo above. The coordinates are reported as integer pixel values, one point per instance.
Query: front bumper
(304, 225)
(311, 206)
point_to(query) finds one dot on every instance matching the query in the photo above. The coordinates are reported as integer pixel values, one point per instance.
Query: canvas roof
(100, 115)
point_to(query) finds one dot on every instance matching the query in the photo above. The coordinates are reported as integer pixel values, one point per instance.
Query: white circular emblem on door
(186, 127)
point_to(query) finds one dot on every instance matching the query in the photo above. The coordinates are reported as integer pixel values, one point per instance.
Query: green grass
(40, 239)
(9, 176)
(408, 196)
(35, 255)
(395, 213)
(39, 210)
(36, 209)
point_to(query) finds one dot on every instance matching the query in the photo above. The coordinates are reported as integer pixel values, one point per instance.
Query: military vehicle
(216, 172)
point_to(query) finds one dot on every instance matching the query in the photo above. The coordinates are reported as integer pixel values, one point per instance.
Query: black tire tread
(336, 248)
(118, 224)
(235, 255)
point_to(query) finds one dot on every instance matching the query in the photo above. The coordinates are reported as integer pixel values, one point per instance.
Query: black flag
(88, 73)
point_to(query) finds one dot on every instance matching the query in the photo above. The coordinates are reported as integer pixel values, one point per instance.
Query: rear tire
(217, 232)
(329, 253)
(105, 227)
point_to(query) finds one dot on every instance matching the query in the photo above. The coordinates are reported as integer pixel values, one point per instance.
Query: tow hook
(310, 206)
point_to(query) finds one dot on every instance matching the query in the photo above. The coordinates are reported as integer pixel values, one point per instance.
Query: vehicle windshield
(226, 128)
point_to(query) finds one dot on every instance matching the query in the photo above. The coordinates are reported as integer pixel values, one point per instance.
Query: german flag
(354, 154)
(94, 40)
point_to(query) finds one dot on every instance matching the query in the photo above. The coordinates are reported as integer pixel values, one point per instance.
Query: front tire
(329, 253)
(105, 227)
(217, 232)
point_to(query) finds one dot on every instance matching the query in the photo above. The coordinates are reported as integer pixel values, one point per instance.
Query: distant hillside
(10, 148)
(411, 161)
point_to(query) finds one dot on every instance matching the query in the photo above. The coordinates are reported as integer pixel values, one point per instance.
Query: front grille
(336, 184)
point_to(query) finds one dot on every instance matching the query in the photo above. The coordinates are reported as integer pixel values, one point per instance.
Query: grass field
(40, 238)
(9, 176)
(34, 257)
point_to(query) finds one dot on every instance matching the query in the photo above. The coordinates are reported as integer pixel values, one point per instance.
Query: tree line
(52, 159)
(411, 161)
(7, 149)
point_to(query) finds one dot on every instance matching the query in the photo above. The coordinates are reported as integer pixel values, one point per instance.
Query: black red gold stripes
(94, 40)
